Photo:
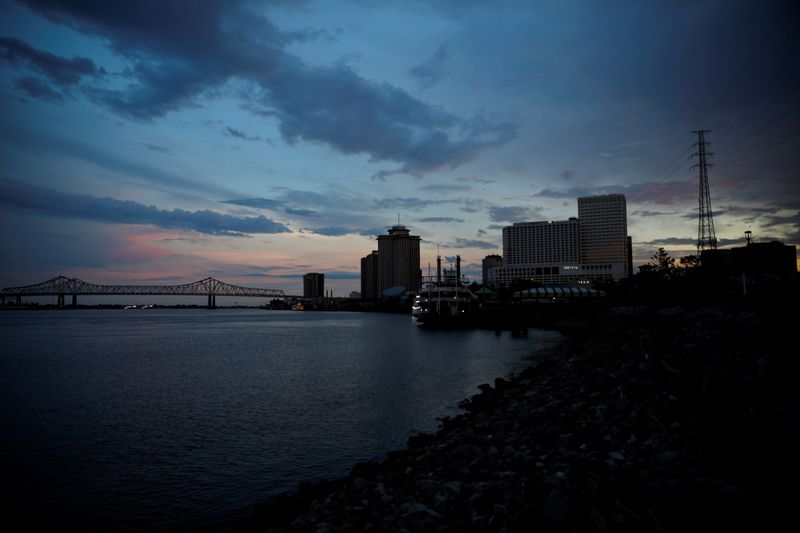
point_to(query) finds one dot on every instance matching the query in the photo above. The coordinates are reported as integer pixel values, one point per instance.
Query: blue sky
(256, 141)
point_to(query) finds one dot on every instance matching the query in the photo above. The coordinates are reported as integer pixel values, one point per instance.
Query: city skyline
(256, 142)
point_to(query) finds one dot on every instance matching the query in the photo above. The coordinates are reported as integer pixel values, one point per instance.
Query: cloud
(471, 243)
(258, 203)
(36, 88)
(663, 192)
(409, 204)
(157, 148)
(567, 174)
(331, 231)
(178, 56)
(446, 220)
(240, 135)
(105, 158)
(511, 213)
(688, 241)
(646, 213)
(50, 202)
(430, 72)
(59, 70)
(445, 189)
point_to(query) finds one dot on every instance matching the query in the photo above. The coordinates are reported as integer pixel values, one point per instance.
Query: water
(166, 419)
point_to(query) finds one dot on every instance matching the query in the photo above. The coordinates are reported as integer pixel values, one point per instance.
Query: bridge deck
(63, 285)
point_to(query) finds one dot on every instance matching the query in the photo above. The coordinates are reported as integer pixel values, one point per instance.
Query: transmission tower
(706, 238)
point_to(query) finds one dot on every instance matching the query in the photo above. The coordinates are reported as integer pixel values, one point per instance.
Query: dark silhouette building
(765, 268)
(369, 276)
(313, 285)
(398, 260)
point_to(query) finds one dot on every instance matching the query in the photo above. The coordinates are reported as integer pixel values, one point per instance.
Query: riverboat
(444, 301)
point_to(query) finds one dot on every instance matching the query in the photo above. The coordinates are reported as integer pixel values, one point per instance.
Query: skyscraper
(313, 285)
(604, 233)
(398, 260)
(490, 261)
(593, 247)
(369, 276)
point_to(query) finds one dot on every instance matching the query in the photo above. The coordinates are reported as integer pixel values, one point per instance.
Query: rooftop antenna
(706, 238)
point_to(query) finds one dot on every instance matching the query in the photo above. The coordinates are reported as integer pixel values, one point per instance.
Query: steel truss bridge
(62, 286)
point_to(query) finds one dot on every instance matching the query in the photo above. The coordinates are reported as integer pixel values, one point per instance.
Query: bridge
(62, 286)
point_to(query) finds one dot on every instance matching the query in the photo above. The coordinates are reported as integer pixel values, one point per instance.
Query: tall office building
(489, 262)
(398, 260)
(313, 285)
(593, 247)
(369, 276)
(541, 242)
(604, 233)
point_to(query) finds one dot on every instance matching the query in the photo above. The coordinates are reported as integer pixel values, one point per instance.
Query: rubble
(647, 420)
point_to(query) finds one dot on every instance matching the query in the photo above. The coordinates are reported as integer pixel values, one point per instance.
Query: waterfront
(166, 419)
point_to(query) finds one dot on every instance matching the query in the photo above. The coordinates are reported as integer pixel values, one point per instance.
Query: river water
(173, 420)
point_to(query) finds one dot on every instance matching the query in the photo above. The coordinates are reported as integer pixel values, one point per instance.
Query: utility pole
(706, 238)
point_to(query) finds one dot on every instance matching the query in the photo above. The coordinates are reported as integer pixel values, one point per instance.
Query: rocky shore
(648, 419)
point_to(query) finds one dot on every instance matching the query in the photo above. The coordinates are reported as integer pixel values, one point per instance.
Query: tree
(663, 264)
(689, 261)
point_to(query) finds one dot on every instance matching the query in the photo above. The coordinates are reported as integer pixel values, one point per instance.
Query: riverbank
(646, 420)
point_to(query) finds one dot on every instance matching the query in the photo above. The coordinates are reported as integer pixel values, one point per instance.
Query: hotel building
(394, 264)
(592, 247)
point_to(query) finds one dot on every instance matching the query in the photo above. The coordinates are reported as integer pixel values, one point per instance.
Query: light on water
(165, 419)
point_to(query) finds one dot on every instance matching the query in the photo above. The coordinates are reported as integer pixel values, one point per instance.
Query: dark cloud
(50, 202)
(273, 205)
(106, 158)
(241, 135)
(778, 220)
(511, 213)
(59, 70)
(430, 72)
(476, 180)
(339, 274)
(445, 189)
(645, 213)
(36, 88)
(660, 192)
(157, 148)
(409, 204)
(471, 243)
(688, 241)
(567, 174)
(178, 56)
(447, 220)
(258, 203)
(331, 231)
(495, 226)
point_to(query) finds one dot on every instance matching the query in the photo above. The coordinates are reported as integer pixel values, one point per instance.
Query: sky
(167, 141)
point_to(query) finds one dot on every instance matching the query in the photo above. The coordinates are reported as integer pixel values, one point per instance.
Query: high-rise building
(313, 285)
(490, 261)
(398, 260)
(369, 276)
(604, 233)
(593, 247)
(541, 242)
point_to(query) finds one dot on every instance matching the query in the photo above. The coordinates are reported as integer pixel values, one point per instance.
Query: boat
(444, 302)
(298, 306)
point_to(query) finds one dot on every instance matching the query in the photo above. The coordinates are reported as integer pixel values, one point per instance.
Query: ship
(444, 301)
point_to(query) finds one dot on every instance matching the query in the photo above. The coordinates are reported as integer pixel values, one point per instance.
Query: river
(177, 420)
